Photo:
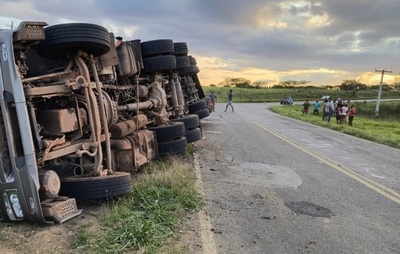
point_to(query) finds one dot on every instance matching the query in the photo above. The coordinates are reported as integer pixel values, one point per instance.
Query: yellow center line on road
(380, 188)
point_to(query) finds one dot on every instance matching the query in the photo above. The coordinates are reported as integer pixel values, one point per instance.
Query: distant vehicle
(287, 101)
(326, 97)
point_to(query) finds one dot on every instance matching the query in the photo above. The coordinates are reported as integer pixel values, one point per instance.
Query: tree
(396, 83)
(223, 84)
(260, 83)
(331, 87)
(352, 85)
(385, 87)
(293, 83)
(237, 82)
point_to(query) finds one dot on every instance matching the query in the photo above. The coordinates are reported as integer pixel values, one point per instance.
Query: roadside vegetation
(149, 217)
(384, 129)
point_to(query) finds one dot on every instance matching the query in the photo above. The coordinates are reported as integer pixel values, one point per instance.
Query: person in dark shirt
(352, 112)
(338, 111)
(230, 97)
(306, 105)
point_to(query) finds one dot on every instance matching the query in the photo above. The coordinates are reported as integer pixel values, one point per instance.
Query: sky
(321, 41)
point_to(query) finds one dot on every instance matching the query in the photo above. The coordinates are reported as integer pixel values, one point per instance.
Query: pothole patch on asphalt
(310, 209)
(275, 176)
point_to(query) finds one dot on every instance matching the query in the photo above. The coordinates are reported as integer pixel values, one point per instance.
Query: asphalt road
(278, 185)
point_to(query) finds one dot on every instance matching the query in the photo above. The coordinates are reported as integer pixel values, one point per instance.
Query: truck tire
(193, 135)
(173, 147)
(96, 187)
(159, 63)
(190, 121)
(203, 113)
(182, 62)
(157, 47)
(193, 69)
(180, 49)
(207, 99)
(38, 65)
(192, 60)
(172, 131)
(64, 39)
(196, 106)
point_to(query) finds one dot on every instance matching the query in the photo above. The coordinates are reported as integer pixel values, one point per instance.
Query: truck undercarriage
(80, 114)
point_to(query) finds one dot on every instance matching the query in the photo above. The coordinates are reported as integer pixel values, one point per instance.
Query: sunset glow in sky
(324, 42)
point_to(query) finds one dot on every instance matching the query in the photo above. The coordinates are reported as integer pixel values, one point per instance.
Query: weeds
(150, 216)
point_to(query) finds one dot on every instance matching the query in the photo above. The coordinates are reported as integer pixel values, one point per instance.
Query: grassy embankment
(148, 219)
(298, 94)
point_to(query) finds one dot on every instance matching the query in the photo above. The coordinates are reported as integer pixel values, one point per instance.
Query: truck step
(61, 209)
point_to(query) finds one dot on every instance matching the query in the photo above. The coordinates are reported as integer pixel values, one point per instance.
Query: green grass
(298, 94)
(147, 219)
(384, 130)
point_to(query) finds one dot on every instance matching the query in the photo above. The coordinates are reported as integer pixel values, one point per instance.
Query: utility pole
(378, 101)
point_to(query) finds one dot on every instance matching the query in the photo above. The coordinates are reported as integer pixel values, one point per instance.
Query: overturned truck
(82, 110)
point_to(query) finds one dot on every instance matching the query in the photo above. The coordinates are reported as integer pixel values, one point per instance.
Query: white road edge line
(207, 236)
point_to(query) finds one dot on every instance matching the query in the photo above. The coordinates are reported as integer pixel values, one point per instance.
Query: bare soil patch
(27, 238)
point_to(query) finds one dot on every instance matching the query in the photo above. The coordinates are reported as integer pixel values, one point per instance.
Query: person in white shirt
(343, 116)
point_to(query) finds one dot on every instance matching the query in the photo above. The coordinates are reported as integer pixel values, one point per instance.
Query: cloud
(324, 42)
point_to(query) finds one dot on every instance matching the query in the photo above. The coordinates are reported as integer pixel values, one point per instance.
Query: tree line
(346, 85)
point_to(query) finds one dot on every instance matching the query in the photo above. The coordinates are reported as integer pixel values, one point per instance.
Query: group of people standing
(342, 111)
(330, 108)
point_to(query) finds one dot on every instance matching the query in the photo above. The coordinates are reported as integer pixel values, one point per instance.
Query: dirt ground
(26, 238)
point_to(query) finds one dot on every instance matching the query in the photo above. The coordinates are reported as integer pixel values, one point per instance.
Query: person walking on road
(230, 97)
(213, 98)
